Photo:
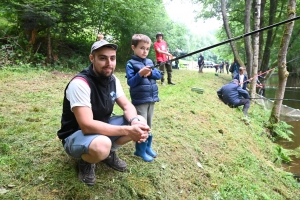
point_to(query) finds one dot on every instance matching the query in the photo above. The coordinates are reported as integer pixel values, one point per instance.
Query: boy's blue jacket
(142, 89)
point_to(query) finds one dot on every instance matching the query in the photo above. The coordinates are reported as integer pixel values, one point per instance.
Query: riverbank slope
(206, 150)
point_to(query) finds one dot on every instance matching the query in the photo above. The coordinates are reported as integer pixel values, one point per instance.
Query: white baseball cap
(103, 43)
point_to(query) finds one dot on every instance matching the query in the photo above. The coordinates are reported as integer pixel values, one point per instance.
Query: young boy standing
(141, 78)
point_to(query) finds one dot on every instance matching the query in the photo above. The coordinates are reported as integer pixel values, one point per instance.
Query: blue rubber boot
(149, 149)
(140, 150)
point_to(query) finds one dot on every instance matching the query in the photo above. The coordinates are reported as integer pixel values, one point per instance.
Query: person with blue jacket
(141, 78)
(242, 78)
(234, 68)
(230, 94)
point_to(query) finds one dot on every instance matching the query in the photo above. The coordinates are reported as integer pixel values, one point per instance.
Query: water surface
(292, 96)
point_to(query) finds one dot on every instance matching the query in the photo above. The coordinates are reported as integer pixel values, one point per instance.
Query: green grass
(189, 129)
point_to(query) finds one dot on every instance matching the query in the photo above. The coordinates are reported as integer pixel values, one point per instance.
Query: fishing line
(276, 99)
(293, 60)
(290, 90)
(274, 87)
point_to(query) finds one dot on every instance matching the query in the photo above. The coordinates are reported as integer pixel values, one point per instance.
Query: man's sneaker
(87, 172)
(162, 83)
(114, 162)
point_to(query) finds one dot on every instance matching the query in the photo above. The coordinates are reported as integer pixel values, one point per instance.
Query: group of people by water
(235, 93)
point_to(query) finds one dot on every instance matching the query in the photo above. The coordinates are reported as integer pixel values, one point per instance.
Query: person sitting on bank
(230, 95)
(88, 132)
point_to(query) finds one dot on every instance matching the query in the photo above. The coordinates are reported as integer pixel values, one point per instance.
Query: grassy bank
(206, 150)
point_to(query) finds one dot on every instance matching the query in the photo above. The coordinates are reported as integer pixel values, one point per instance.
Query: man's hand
(170, 56)
(140, 130)
(259, 85)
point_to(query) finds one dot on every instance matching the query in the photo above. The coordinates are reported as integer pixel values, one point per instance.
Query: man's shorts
(78, 143)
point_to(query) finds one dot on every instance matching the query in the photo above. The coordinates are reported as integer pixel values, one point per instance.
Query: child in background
(141, 78)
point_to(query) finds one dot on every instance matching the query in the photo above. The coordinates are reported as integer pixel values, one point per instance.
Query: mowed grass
(206, 150)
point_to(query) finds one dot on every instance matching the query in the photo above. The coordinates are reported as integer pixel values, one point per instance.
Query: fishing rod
(250, 79)
(236, 38)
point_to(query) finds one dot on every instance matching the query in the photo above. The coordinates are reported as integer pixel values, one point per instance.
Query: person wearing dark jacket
(230, 94)
(88, 132)
(227, 66)
(242, 78)
(234, 68)
(201, 63)
(141, 78)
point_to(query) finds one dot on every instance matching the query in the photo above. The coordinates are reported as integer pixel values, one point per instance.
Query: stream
(292, 92)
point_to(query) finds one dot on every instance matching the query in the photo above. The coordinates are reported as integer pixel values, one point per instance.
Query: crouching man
(87, 130)
(230, 94)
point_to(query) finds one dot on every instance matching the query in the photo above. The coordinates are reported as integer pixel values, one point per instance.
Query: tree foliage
(62, 28)
(274, 12)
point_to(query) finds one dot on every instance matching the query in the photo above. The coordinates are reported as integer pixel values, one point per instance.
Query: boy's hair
(136, 38)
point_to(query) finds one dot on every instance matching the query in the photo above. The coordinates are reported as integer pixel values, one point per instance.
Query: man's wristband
(130, 121)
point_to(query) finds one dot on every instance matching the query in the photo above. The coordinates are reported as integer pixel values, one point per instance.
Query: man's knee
(100, 147)
(246, 101)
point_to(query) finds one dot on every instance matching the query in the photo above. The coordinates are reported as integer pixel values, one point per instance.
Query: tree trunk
(282, 71)
(247, 40)
(229, 35)
(269, 41)
(49, 48)
(261, 34)
(255, 49)
(33, 36)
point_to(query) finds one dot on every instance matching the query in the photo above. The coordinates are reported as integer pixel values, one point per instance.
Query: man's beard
(104, 73)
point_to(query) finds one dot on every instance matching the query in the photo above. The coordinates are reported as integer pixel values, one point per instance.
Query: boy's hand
(145, 71)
